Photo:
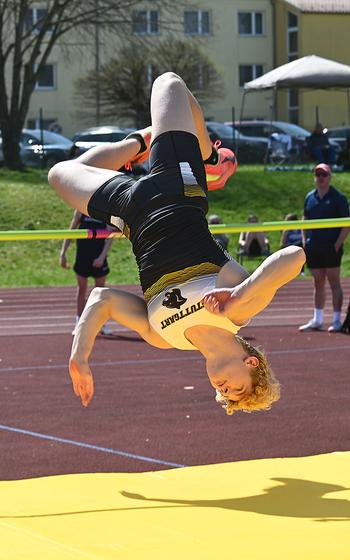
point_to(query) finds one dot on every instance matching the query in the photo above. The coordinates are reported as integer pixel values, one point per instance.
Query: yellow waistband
(180, 276)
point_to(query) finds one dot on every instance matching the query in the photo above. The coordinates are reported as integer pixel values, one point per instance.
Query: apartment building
(236, 35)
(243, 38)
(319, 27)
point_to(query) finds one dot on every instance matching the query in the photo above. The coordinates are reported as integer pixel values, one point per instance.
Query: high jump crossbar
(31, 235)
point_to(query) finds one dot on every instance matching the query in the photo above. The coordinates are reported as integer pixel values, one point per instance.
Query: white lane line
(166, 360)
(89, 446)
(100, 364)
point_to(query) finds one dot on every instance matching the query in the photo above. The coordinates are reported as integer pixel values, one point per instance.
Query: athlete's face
(232, 378)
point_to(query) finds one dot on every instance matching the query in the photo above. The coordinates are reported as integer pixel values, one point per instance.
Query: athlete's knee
(56, 173)
(168, 79)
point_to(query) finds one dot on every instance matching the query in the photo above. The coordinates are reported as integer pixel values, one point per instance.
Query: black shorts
(87, 251)
(323, 256)
(164, 212)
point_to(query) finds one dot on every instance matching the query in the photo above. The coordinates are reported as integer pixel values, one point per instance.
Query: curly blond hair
(266, 388)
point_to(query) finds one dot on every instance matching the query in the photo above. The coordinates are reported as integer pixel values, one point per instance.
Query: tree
(125, 81)
(28, 34)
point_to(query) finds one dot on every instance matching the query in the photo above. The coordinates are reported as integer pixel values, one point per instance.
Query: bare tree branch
(28, 32)
(125, 89)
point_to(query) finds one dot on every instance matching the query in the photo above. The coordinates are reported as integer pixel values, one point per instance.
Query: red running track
(155, 409)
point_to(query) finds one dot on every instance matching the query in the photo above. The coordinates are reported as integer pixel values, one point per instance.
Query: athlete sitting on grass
(196, 297)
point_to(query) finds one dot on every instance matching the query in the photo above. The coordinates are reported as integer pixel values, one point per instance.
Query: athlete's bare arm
(251, 296)
(103, 304)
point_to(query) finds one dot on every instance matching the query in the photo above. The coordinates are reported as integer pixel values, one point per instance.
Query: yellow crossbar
(30, 235)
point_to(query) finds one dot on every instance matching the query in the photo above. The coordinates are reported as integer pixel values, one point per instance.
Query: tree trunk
(11, 135)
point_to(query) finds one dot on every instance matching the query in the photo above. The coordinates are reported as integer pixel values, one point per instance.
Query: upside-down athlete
(196, 297)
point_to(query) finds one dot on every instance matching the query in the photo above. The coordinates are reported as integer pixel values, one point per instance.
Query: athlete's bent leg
(76, 180)
(170, 106)
(173, 107)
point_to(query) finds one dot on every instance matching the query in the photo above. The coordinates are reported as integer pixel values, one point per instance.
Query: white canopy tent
(309, 72)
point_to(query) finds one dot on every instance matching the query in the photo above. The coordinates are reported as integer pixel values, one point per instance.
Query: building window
(292, 20)
(46, 78)
(292, 37)
(35, 18)
(150, 74)
(292, 50)
(293, 106)
(250, 23)
(145, 22)
(248, 72)
(201, 76)
(196, 22)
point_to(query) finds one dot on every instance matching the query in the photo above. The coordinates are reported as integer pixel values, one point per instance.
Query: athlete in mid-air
(196, 297)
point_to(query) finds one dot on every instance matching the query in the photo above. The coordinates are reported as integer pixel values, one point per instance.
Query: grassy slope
(29, 203)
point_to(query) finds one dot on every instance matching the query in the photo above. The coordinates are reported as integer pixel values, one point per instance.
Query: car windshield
(223, 130)
(100, 137)
(49, 137)
(339, 132)
(293, 129)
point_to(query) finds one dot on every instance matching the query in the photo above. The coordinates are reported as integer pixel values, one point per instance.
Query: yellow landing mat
(296, 508)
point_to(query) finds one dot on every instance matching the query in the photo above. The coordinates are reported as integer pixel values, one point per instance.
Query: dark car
(264, 129)
(99, 135)
(91, 137)
(249, 149)
(341, 135)
(42, 148)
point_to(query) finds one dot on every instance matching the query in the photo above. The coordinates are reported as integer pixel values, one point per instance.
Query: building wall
(72, 60)
(224, 46)
(228, 50)
(325, 35)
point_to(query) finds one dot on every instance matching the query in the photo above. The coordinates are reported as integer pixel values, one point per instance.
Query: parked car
(91, 137)
(341, 135)
(55, 148)
(264, 129)
(249, 149)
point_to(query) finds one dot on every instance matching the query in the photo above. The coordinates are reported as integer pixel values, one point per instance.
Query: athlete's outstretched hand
(83, 383)
(220, 302)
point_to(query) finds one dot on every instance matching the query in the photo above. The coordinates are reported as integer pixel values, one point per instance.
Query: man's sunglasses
(321, 174)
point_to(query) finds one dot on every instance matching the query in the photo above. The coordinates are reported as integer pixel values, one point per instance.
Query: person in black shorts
(196, 297)
(90, 259)
(324, 247)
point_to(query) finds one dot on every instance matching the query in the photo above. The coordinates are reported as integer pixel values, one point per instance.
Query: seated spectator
(292, 236)
(319, 147)
(253, 243)
(220, 238)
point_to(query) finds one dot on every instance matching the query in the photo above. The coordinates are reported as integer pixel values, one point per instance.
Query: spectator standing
(319, 146)
(220, 238)
(90, 259)
(253, 243)
(324, 247)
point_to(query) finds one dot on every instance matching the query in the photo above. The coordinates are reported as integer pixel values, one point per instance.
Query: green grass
(27, 202)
